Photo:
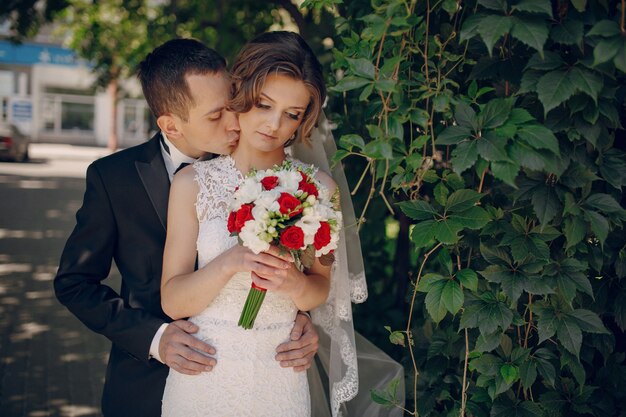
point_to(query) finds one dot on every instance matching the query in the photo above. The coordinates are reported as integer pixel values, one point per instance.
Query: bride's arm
(185, 292)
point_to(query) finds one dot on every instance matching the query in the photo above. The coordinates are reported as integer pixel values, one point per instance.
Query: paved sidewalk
(50, 363)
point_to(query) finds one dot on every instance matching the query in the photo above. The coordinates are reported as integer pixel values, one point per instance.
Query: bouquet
(283, 206)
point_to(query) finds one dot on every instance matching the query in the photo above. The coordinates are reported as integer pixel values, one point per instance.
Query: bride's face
(277, 114)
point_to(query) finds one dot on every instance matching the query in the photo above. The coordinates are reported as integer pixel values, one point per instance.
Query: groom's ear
(169, 125)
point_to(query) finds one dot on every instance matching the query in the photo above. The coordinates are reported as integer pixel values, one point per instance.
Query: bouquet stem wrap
(255, 298)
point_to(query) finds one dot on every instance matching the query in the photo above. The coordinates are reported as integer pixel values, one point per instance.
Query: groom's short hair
(162, 74)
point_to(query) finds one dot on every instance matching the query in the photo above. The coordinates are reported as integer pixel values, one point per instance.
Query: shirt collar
(172, 156)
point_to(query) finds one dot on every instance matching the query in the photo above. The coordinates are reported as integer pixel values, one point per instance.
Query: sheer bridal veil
(348, 366)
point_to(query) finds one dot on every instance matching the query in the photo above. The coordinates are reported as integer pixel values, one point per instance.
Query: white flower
(309, 225)
(267, 199)
(289, 180)
(250, 235)
(249, 191)
(260, 213)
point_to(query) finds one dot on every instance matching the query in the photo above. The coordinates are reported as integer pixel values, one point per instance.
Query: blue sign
(31, 54)
(21, 110)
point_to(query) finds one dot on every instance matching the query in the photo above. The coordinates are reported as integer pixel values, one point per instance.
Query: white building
(49, 94)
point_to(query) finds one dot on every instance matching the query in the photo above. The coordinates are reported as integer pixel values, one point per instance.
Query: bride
(278, 95)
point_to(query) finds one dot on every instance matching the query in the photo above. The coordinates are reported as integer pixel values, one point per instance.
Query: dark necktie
(181, 166)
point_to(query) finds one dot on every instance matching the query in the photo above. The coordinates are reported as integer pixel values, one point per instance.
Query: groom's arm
(86, 262)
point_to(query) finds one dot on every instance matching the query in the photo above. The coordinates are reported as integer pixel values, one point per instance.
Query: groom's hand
(181, 351)
(301, 349)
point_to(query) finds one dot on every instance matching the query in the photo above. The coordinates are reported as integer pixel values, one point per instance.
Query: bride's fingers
(275, 251)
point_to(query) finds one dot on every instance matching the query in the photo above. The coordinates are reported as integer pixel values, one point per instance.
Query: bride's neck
(247, 158)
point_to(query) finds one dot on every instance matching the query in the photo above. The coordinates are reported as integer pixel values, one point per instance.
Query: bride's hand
(242, 259)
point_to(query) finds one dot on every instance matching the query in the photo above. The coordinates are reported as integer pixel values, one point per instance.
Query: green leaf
(545, 203)
(452, 296)
(453, 135)
(546, 325)
(418, 210)
(428, 280)
(575, 230)
(505, 171)
(350, 83)
(397, 338)
(580, 5)
(468, 279)
(549, 61)
(387, 86)
(510, 373)
(380, 397)
(534, 6)
(504, 407)
(495, 113)
(488, 342)
(620, 58)
(498, 5)
(544, 366)
(423, 233)
(492, 148)
(553, 89)
(569, 32)
(605, 203)
(588, 321)
(520, 116)
(495, 255)
(528, 373)
(434, 302)
(604, 28)
(349, 141)
(605, 50)
(526, 156)
(586, 82)
(362, 67)
(464, 156)
(531, 31)
(492, 28)
(569, 334)
(378, 149)
(462, 200)
(599, 225)
(447, 231)
(441, 193)
(466, 116)
(539, 137)
(474, 218)
(470, 26)
(420, 117)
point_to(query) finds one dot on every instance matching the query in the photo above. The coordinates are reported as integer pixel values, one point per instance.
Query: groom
(123, 218)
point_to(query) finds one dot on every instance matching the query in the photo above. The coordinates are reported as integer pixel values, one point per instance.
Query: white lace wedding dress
(247, 380)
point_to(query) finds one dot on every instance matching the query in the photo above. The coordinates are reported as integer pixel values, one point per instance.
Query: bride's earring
(291, 140)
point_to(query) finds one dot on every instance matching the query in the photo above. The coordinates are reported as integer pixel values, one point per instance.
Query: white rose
(251, 239)
(309, 226)
(267, 198)
(260, 213)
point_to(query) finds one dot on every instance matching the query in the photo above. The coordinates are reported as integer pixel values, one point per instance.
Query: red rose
(289, 204)
(231, 222)
(243, 215)
(322, 236)
(306, 186)
(292, 238)
(269, 183)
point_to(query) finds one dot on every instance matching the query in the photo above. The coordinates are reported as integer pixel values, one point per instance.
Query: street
(50, 363)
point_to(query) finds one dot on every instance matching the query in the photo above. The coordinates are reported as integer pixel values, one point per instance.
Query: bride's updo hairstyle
(284, 53)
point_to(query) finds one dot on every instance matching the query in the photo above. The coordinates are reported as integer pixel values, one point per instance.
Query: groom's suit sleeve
(86, 261)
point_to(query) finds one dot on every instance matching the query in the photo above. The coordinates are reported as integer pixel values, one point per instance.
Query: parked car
(13, 143)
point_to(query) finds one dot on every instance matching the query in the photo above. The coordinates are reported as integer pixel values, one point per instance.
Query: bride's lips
(266, 136)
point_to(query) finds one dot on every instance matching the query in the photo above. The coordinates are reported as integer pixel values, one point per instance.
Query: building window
(68, 114)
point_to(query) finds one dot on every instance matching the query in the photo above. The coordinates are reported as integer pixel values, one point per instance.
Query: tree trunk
(401, 264)
(112, 89)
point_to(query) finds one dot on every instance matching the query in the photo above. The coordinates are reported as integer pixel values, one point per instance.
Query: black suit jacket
(123, 218)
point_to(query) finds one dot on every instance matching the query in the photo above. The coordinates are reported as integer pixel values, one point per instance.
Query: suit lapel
(151, 170)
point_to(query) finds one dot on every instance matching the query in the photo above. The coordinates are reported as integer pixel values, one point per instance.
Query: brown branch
(621, 25)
